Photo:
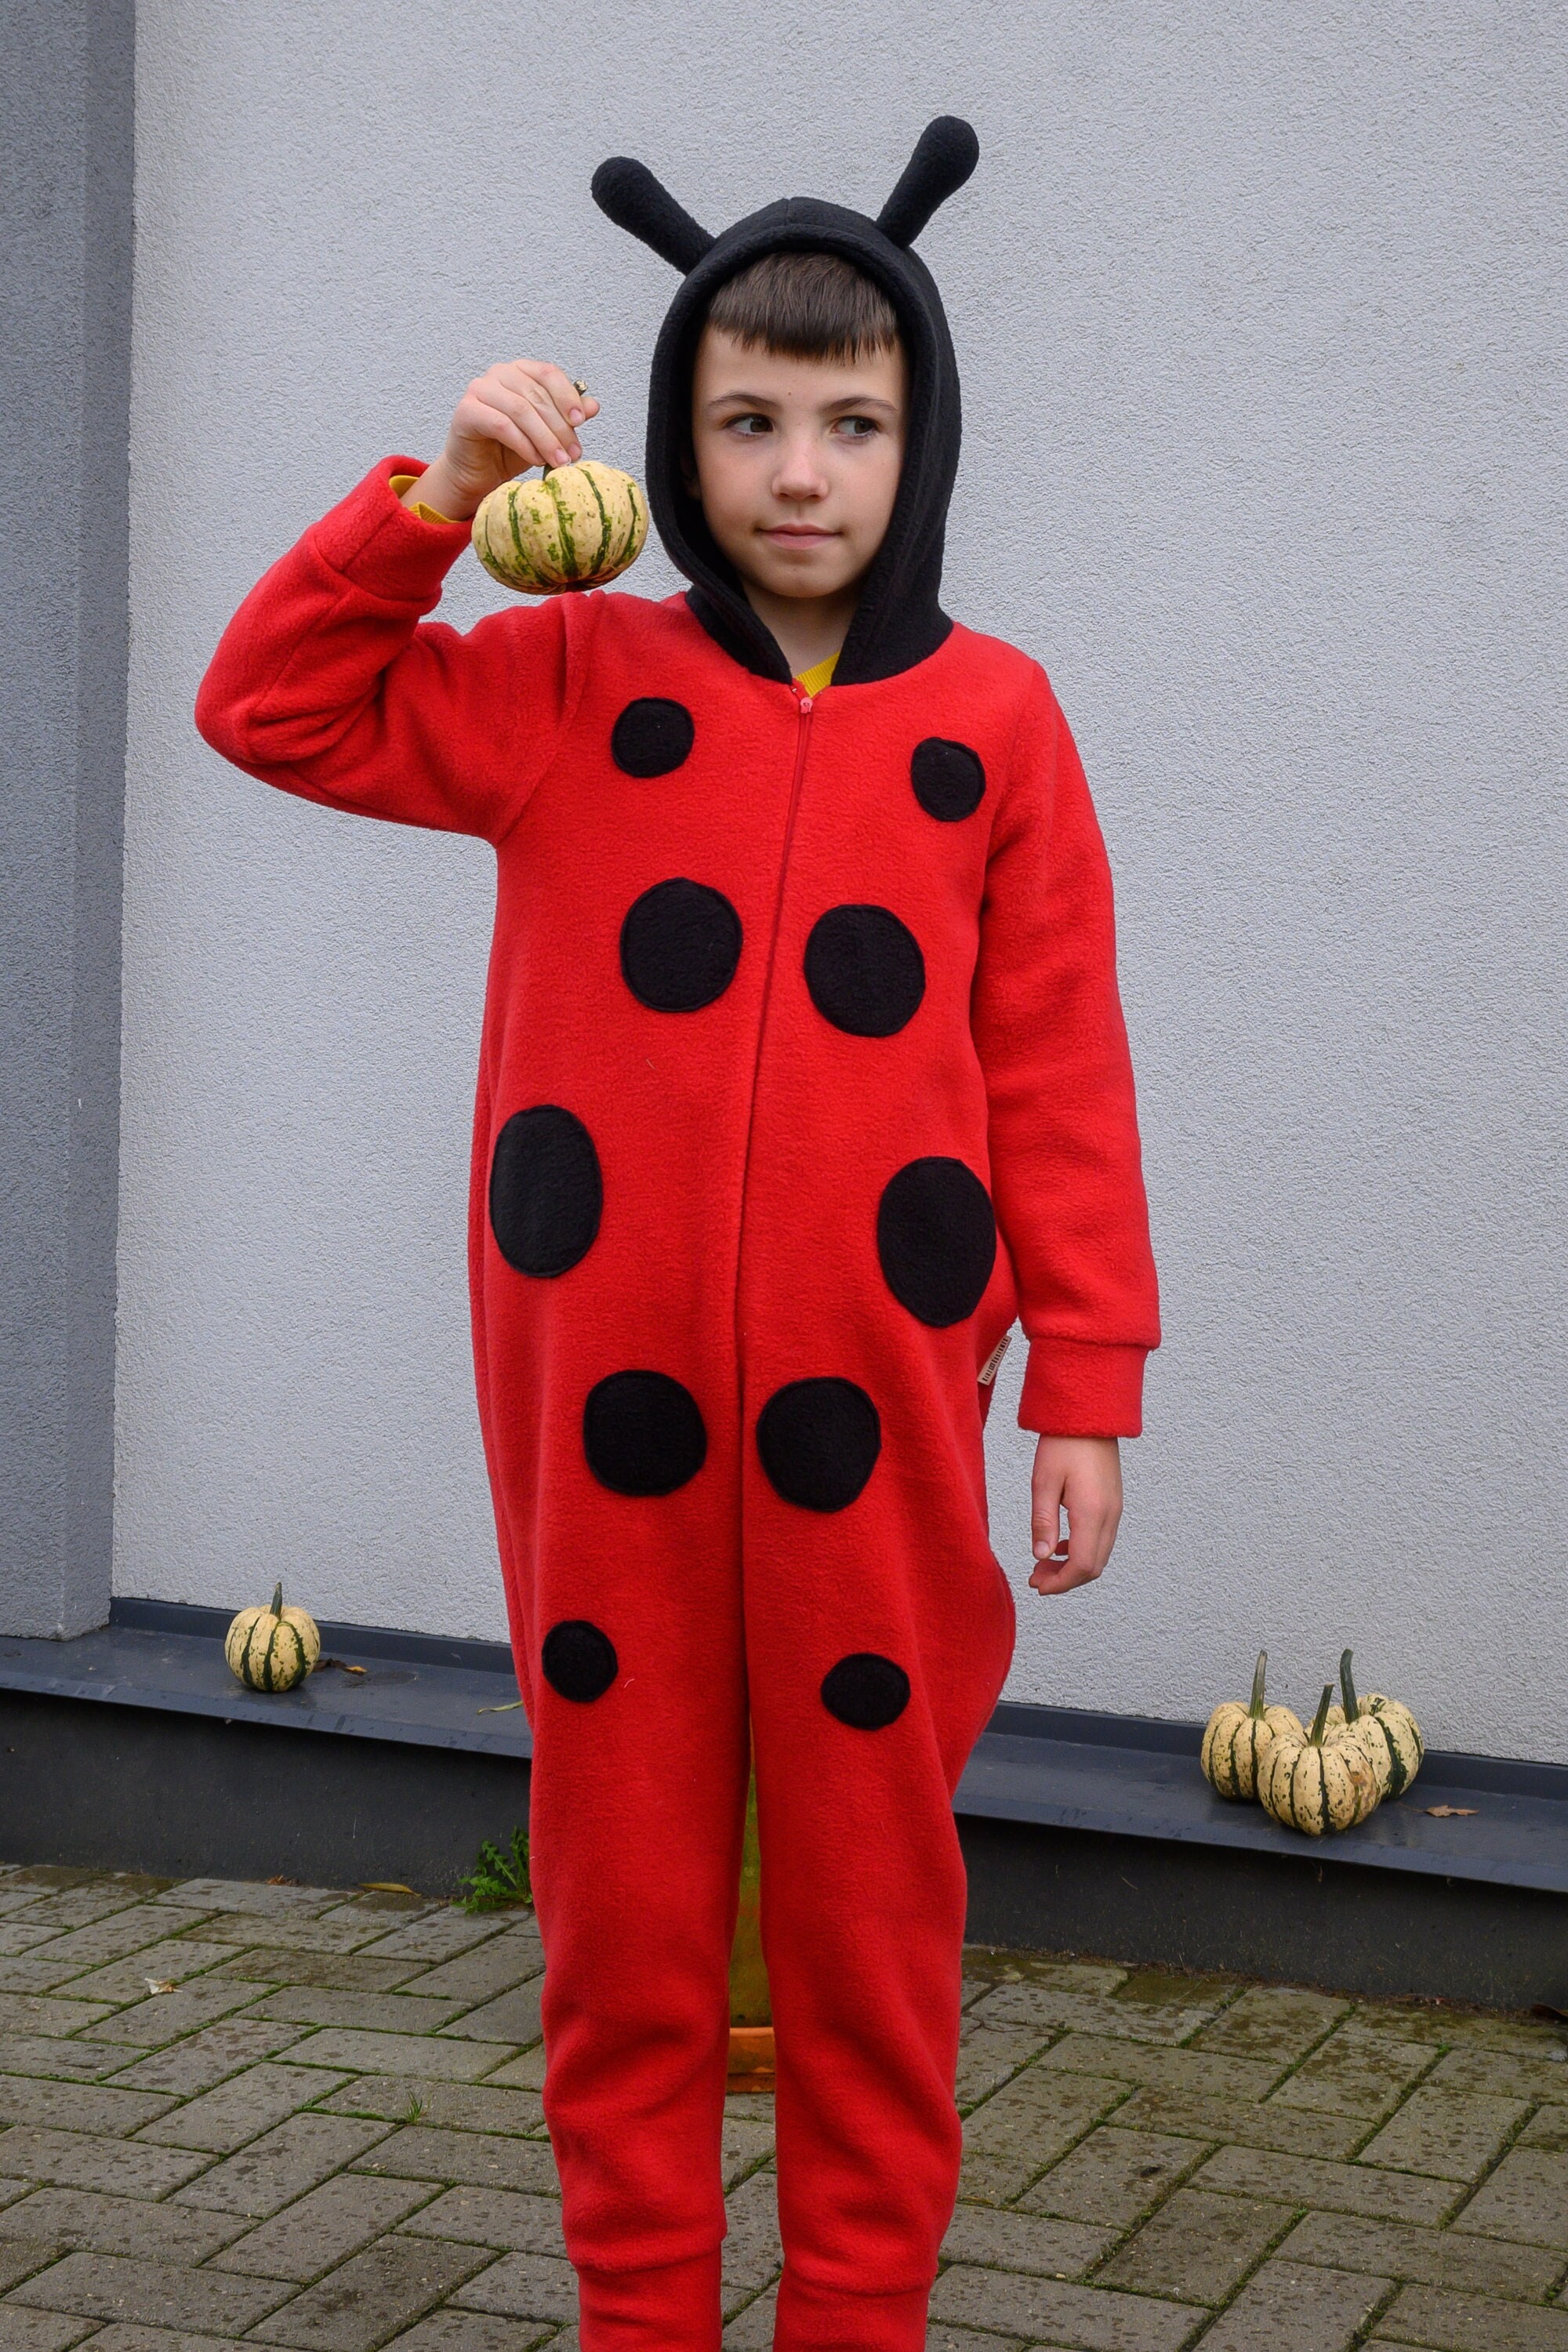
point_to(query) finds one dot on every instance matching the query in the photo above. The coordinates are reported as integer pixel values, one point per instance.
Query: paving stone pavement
(325, 2134)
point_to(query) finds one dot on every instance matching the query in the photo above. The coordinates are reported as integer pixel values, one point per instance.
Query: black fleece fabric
(898, 620)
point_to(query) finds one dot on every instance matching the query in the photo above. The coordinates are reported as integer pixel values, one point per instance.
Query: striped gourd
(1392, 1734)
(1237, 1737)
(1322, 1782)
(578, 527)
(272, 1649)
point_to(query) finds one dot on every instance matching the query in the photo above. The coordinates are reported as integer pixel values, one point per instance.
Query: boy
(799, 990)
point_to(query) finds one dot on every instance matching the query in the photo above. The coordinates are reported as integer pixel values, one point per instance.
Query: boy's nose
(798, 475)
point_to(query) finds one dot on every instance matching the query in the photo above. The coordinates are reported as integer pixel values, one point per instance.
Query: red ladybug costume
(803, 1073)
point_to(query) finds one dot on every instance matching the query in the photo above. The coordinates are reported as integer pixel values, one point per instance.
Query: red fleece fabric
(727, 1377)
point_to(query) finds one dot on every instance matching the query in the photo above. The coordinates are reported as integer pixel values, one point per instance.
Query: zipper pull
(806, 700)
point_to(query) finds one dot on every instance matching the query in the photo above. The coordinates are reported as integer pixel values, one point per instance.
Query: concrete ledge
(134, 1747)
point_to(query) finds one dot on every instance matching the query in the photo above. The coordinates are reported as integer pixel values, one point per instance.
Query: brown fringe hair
(806, 306)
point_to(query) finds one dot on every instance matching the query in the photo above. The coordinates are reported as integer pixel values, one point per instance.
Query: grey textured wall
(66, 119)
(1260, 317)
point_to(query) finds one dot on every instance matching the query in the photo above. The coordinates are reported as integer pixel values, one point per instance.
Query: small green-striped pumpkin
(272, 1649)
(1237, 1737)
(578, 527)
(1392, 1736)
(1324, 1780)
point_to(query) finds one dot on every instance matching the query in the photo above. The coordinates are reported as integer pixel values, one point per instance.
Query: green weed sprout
(497, 1880)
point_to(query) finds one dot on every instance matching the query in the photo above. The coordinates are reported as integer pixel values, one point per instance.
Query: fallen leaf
(499, 1710)
(158, 1984)
(1558, 2016)
(1451, 1812)
(383, 1886)
(281, 1881)
(341, 1665)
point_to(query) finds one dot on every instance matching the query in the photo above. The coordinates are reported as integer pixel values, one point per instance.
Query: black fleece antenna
(628, 191)
(946, 153)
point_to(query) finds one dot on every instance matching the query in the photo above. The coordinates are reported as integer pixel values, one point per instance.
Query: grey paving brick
(1025, 2241)
(1505, 2074)
(119, 2168)
(1453, 2135)
(1046, 2009)
(327, 1931)
(241, 2108)
(741, 2147)
(1294, 2131)
(1470, 2323)
(78, 2106)
(18, 1935)
(85, 2218)
(1526, 2197)
(161, 2018)
(1289, 2308)
(111, 2286)
(1016, 2133)
(1196, 2247)
(120, 2338)
(524, 2073)
(52, 2054)
(462, 2106)
(523, 2286)
(473, 2331)
(23, 2013)
(499, 2218)
(984, 1970)
(1114, 2177)
(43, 2331)
(21, 2258)
(346, 1971)
(323, 2228)
(1043, 2311)
(439, 1936)
(94, 1898)
(372, 2295)
(1433, 2257)
(1277, 2022)
(752, 2254)
(206, 2059)
(281, 2165)
(513, 2017)
(410, 2053)
(942, 2338)
(1331, 2188)
(1548, 2127)
(122, 1935)
(1441, 2022)
(477, 2160)
(1357, 2072)
(166, 1963)
(1192, 2071)
(988, 2055)
(253, 1900)
(490, 1968)
(751, 2330)
(373, 2012)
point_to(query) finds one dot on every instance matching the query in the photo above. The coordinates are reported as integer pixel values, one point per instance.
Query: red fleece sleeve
(1066, 1169)
(328, 682)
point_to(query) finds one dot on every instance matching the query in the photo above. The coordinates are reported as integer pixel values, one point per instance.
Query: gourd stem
(1320, 1719)
(1256, 1709)
(1353, 1705)
(278, 1602)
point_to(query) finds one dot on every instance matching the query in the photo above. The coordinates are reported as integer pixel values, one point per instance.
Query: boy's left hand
(1083, 1476)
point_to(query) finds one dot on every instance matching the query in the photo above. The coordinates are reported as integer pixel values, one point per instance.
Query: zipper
(805, 703)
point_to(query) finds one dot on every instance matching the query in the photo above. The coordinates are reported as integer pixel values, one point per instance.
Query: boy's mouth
(797, 534)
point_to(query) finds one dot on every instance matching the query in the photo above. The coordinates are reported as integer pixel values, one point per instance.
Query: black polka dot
(546, 1191)
(643, 1434)
(936, 1237)
(865, 971)
(679, 945)
(651, 737)
(865, 1691)
(949, 779)
(819, 1441)
(578, 1660)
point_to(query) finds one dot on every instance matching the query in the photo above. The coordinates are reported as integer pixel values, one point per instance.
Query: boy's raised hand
(1081, 1475)
(520, 412)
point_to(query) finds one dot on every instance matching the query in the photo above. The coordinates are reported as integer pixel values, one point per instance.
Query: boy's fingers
(546, 433)
(572, 403)
(549, 394)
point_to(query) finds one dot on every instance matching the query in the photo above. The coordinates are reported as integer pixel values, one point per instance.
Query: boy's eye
(858, 428)
(750, 425)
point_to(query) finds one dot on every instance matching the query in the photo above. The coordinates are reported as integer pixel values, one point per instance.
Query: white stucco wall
(1259, 312)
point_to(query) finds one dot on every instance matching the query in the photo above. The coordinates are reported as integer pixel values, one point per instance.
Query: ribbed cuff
(1074, 1388)
(380, 544)
(674, 2308)
(827, 2319)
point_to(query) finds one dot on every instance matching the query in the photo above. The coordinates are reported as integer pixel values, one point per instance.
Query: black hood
(899, 619)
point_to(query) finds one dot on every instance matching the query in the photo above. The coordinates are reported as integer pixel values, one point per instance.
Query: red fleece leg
(826, 2319)
(672, 2309)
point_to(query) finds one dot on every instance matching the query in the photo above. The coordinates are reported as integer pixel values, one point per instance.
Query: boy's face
(796, 461)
